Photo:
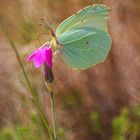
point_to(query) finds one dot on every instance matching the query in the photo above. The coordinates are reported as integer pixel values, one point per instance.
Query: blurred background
(101, 103)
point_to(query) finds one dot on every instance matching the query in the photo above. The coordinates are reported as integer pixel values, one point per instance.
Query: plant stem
(33, 92)
(49, 79)
(53, 115)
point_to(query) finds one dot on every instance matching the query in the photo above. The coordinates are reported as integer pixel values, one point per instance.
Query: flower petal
(31, 56)
(39, 58)
(44, 53)
(48, 52)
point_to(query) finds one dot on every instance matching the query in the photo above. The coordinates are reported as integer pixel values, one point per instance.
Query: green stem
(53, 115)
(33, 92)
(49, 79)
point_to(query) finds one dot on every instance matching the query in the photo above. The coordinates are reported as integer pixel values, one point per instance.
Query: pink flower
(41, 55)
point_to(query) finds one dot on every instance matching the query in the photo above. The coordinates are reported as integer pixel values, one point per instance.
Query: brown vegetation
(105, 88)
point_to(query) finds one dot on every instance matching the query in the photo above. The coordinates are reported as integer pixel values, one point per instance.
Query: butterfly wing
(84, 43)
(91, 16)
(85, 51)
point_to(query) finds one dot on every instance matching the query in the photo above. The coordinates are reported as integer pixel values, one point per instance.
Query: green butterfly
(84, 37)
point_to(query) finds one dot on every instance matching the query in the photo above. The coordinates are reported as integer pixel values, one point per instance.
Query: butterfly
(83, 39)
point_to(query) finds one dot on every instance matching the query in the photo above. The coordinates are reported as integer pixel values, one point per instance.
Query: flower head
(41, 55)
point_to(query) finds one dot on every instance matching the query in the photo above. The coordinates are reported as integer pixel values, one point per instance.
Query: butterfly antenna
(40, 34)
(46, 24)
